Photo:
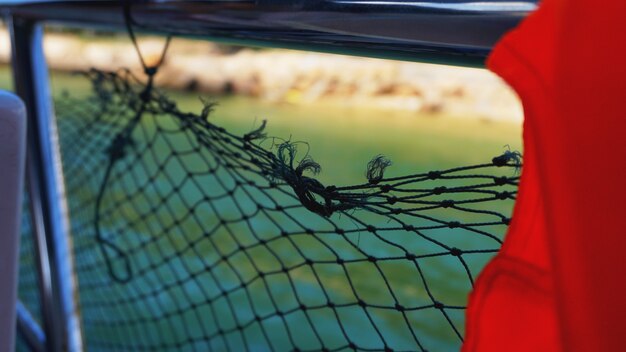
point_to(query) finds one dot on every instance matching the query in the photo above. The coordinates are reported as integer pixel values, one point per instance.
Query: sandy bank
(294, 77)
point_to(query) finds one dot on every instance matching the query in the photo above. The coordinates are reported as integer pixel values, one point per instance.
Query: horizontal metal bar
(442, 31)
(30, 329)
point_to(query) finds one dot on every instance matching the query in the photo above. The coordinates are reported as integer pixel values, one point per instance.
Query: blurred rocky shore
(293, 77)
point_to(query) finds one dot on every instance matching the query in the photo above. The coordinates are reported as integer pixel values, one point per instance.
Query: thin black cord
(117, 149)
(150, 71)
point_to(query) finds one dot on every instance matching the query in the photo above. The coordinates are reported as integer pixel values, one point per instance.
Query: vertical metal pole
(46, 191)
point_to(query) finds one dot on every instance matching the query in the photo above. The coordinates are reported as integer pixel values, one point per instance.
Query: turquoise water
(342, 140)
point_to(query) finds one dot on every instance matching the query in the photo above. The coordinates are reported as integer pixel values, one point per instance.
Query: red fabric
(558, 284)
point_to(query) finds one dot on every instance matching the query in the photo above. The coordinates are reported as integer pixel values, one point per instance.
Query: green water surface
(342, 140)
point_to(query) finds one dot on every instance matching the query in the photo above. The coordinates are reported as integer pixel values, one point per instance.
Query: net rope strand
(224, 229)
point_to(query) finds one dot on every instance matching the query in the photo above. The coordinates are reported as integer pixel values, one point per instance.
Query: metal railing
(441, 31)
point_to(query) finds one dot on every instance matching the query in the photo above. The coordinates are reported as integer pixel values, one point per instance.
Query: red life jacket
(558, 284)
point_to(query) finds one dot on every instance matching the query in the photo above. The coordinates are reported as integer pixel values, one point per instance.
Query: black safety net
(189, 237)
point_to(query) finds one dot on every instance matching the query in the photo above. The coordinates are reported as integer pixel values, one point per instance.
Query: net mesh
(20, 343)
(28, 283)
(189, 237)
